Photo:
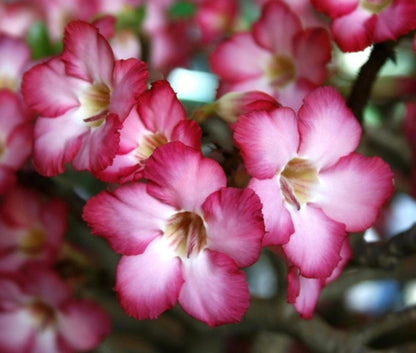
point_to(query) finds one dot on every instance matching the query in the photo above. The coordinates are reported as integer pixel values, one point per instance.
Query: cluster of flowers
(184, 235)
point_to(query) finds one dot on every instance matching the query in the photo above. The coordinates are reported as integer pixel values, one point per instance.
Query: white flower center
(296, 181)
(186, 232)
(375, 6)
(95, 102)
(32, 243)
(148, 143)
(280, 71)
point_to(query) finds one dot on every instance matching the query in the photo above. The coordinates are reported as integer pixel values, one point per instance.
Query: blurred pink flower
(38, 314)
(31, 229)
(183, 236)
(356, 24)
(277, 57)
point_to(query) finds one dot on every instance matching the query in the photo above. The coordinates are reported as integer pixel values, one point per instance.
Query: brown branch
(361, 90)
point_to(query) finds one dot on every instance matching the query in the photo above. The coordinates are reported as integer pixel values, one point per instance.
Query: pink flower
(183, 236)
(16, 18)
(313, 186)
(356, 24)
(82, 97)
(157, 119)
(31, 228)
(14, 60)
(15, 137)
(37, 314)
(277, 57)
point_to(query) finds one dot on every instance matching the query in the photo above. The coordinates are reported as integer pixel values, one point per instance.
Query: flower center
(7, 82)
(148, 144)
(280, 70)
(186, 232)
(33, 242)
(42, 314)
(296, 181)
(96, 101)
(375, 6)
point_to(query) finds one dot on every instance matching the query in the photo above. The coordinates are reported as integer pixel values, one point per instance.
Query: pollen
(297, 180)
(186, 232)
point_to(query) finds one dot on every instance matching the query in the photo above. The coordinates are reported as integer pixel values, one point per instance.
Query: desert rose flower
(82, 97)
(277, 57)
(31, 229)
(38, 314)
(313, 186)
(15, 137)
(16, 17)
(356, 24)
(157, 119)
(183, 235)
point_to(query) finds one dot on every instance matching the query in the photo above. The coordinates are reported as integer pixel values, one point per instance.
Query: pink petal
(293, 94)
(129, 82)
(259, 83)
(160, 109)
(215, 291)
(188, 132)
(48, 90)
(335, 8)
(19, 146)
(83, 324)
(239, 58)
(328, 129)
(346, 255)
(56, 142)
(128, 218)
(16, 331)
(354, 31)
(267, 140)
(98, 146)
(303, 292)
(315, 245)
(276, 28)
(148, 284)
(395, 20)
(181, 177)
(353, 190)
(7, 179)
(46, 341)
(277, 219)
(234, 224)
(87, 54)
(123, 169)
(312, 53)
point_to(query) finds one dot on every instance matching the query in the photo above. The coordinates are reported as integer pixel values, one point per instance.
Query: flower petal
(56, 142)
(128, 218)
(276, 28)
(87, 54)
(180, 176)
(234, 224)
(98, 146)
(129, 82)
(328, 129)
(277, 219)
(315, 245)
(353, 190)
(16, 331)
(239, 58)
(83, 324)
(303, 292)
(267, 140)
(148, 284)
(354, 31)
(215, 291)
(335, 8)
(48, 90)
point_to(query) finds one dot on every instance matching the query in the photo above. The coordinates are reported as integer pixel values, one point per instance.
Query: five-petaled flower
(277, 57)
(82, 97)
(313, 186)
(183, 236)
(38, 314)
